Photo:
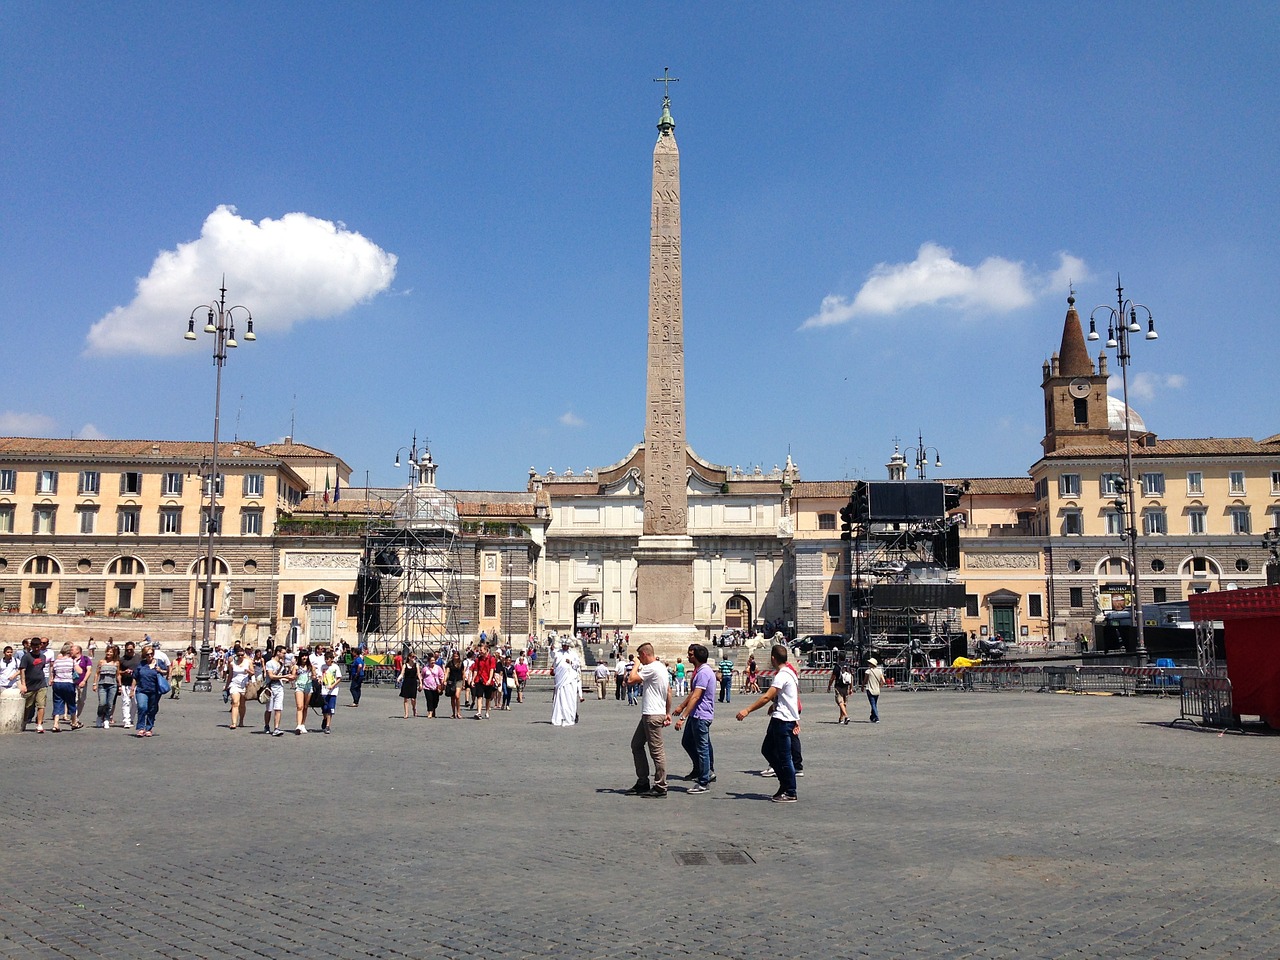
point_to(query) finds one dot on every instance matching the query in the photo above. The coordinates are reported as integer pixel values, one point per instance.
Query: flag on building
(326, 486)
(337, 488)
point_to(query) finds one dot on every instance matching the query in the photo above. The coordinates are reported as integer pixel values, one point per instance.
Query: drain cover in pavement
(700, 858)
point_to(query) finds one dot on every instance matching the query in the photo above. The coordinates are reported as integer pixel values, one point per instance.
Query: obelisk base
(664, 596)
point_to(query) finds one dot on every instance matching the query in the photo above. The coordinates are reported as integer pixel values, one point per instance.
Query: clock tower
(1075, 396)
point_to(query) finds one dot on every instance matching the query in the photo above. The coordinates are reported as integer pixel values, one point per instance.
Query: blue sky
(438, 214)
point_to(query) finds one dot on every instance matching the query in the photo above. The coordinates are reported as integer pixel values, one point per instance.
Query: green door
(1004, 622)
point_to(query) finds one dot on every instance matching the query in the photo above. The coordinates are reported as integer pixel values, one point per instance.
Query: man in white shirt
(602, 679)
(273, 674)
(655, 714)
(783, 700)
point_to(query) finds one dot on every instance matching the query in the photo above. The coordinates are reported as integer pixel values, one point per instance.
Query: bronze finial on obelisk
(664, 554)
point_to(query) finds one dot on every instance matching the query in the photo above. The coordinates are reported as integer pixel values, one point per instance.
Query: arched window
(42, 566)
(126, 567)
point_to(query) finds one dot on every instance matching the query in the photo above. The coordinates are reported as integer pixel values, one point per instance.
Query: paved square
(964, 825)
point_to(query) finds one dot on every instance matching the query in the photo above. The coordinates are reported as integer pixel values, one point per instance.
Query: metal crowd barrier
(1207, 701)
(1124, 681)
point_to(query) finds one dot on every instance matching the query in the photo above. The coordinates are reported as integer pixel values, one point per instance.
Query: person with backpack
(842, 680)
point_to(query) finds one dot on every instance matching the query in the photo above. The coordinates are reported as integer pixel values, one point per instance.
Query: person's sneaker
(478, 717)
(303, 729)
(698, 788)
(657, 793)
(327, 730)
(277, 732)
(266, 728)
(712, 778)
(768, 772)
(693, 775)
(783, 798)
(640, 786)
(799, 773)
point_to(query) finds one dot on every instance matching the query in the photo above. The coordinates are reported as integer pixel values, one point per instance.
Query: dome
(1115, 416)
(426, 508)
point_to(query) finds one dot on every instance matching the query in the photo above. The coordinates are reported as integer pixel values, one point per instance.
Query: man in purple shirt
(699, 708)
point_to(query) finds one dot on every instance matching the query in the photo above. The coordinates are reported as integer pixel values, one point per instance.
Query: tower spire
(666, 123)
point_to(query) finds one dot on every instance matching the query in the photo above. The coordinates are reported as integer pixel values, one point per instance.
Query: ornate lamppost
(220, 324)
(921, 454)
(1122, 320)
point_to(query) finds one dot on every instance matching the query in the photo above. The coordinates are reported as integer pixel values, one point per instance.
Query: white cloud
(936, 278)
(1145, 386)
(571, 419)
(14, 423)
(90, 432)
(286, 271)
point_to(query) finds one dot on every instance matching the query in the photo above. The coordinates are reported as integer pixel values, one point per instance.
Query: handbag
(251, 689)
(163, 684)
(317, 698)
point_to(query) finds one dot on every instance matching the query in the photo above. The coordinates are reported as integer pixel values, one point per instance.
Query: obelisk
(664, 554)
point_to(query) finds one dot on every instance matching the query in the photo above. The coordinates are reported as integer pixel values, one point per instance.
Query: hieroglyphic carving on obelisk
(666, 502)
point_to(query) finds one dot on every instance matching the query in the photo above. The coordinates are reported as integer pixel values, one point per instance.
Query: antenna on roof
(239, 410)
(293, 416)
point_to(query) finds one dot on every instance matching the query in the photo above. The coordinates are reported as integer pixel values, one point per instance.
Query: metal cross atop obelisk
(666, 80)
(664, 554)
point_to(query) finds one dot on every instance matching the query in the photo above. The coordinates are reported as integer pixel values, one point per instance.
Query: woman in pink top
(522, 674)
(432, 683)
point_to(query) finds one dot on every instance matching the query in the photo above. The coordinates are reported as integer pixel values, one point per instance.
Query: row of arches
(1193, 566)
(43, 565)
(736, 614)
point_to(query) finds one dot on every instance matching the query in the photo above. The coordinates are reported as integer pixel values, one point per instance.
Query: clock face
(1079, 388)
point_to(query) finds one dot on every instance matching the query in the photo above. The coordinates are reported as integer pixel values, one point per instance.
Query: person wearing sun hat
(872, 678)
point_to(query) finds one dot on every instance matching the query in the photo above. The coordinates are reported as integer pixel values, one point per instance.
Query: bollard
(12, 707)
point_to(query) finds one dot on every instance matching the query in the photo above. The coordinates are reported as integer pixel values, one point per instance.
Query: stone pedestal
(664, 596)
(222, 632)
(12, 706)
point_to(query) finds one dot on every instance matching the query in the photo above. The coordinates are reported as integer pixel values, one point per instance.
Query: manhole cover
(701, 858)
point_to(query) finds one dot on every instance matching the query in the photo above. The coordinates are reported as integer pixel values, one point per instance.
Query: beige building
(117, 528)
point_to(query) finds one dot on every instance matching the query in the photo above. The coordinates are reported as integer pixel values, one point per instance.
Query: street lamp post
(921, 454)
(220, 324)
(1122, 320)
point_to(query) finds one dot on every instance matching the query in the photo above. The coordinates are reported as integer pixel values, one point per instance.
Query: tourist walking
(455, 678)
(483, 687)
(602, 673)
(274, 674)
(725, 666)
(329, 681)
(522, 677)
(783, 700)
(129, 661)
(146, 691)
(872, 678)
(355, 680)
(303, 685)
(652, 677)
(698, 708)
(408, 680)
(64, 688)
(239, 673)
(432, 676)
(842, 680)
(106, 681)
(33, 685)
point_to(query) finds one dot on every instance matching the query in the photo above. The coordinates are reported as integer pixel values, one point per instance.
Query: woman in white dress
(239, 672)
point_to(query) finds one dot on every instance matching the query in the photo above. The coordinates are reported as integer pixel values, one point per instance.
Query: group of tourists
(266, 676)
(136, 677)
(482, 680)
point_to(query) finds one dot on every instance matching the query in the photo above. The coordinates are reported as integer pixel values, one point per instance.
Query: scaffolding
(904, 600)
(408, 580)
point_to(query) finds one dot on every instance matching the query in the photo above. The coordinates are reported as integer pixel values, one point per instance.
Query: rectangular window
(166, 598)
(171, 520)
(1154, 523)
(1160, 594)
(1195, 521)
(1035, 605)
(1072, 523)
(90, 480)
(82, 598)
(970, 604)
(124, 596)
(1275, 483)
(172, 486)
(1241, 523)
(1081, 410)
(251, 523)
(353, 606)
(249, 598)
(254, 484)
(47, 482)
(130, 483)
(833, 606)
(44, 520)
(1077, 597)
(287, 605)
(1069, 485)
(8, 480)
(1235, 481)
(1109, 485)
(1115, 523)
(88, 519)
(1153, 484)
(208, 482)
(6, 518)
(211, 527)
(490, 604)
(128, 519)
(1195, 483)
(826, 521)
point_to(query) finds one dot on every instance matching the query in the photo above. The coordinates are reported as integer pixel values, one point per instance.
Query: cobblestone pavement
(964, 825)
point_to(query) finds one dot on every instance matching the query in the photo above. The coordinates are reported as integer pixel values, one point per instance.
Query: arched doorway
(737, 613)
(586, 613)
